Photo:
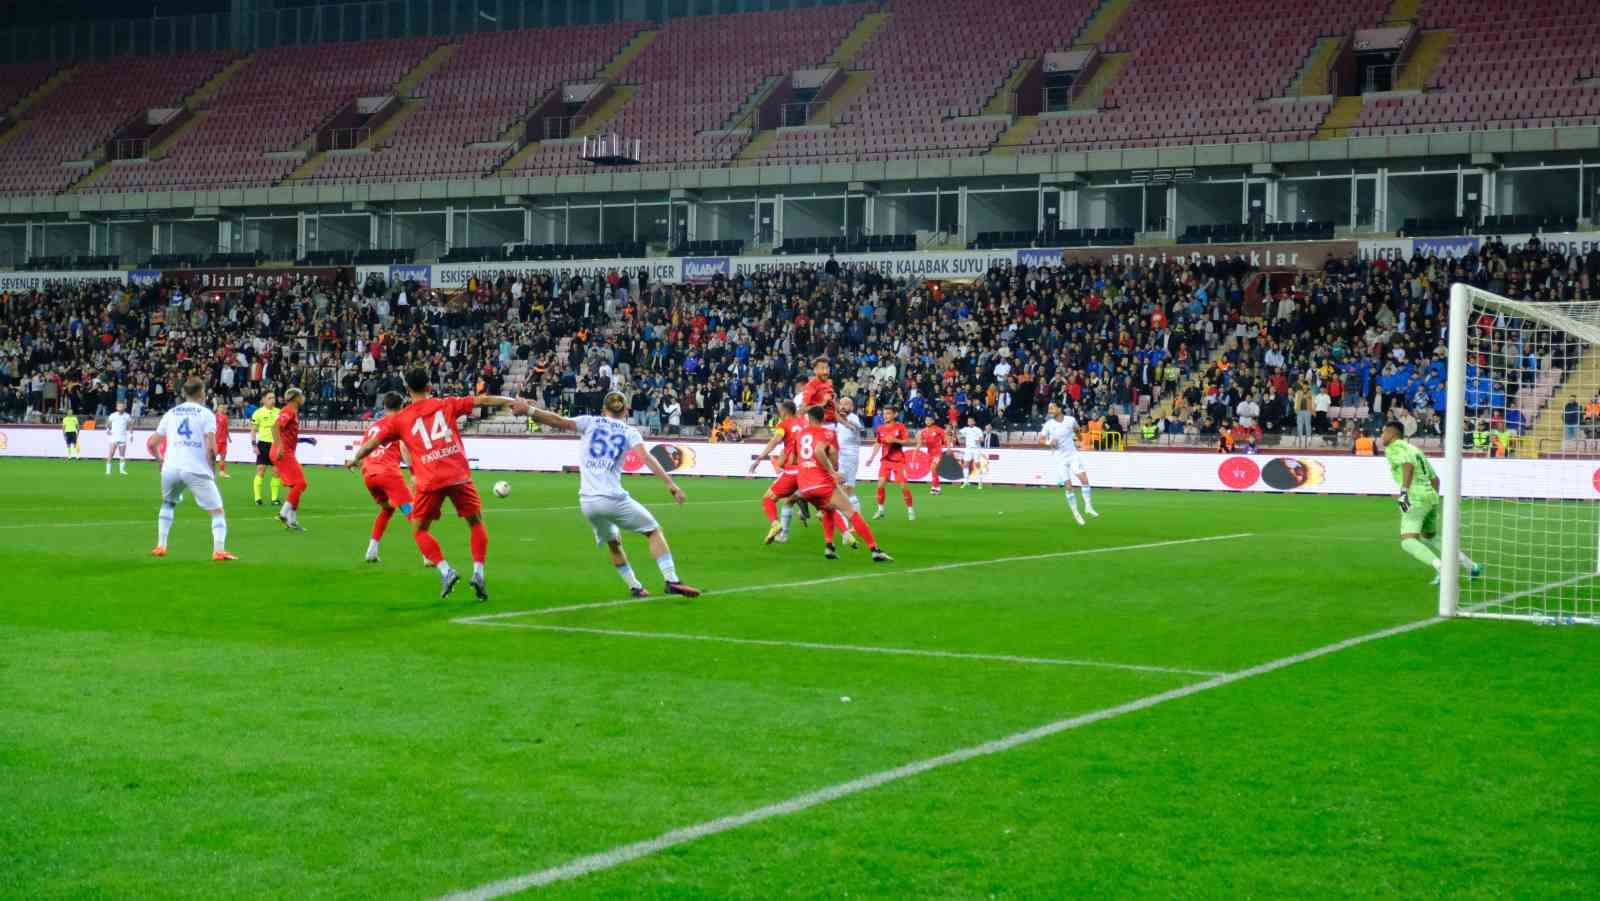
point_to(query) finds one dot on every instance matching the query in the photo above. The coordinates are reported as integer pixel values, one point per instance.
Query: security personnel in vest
(1480, 439)
(1502, 440)
(1148, 431)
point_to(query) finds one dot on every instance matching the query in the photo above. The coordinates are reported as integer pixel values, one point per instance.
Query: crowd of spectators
(1215, 353)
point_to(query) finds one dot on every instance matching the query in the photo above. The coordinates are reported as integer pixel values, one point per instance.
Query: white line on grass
(615, 857)
(875, 574)
(860, 649)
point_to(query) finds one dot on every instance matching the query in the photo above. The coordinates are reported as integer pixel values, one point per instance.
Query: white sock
(1437, 546)
(626, 572)
(1088, 504)
(286, 511)
(108, 467)
(372, 547)
(477, 570)
(855, 503)
(785, 515)
(669, 570)
(219, 532)
(164, 524)
(443, 566)
(1072, 500)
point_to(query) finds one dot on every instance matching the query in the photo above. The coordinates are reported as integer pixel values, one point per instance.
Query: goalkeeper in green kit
(1419, 501)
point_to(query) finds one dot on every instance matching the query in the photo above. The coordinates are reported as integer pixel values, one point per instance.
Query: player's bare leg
(838, 504)
(669, 570)
(479, 539)
(619, 559)
(776, 531)
(1086, 491)
(433, 555)
(111, 451)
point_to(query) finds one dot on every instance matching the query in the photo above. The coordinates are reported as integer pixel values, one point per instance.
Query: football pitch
(1196, 695)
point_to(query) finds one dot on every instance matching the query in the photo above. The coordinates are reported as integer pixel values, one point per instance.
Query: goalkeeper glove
(1404, 500)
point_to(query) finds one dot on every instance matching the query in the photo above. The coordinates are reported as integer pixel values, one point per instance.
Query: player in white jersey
(604, 441)
(1060, 433)
(119, 430)
(190, 432)
(847, 425)
(974, 462)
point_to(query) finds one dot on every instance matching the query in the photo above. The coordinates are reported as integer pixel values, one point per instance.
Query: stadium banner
(1170, 470)
(1390, 249)
(1303, 256)
(1568, 244)
(144, 277)
(705, 269)
(959, 264)
(421, 273)
(237, 279)
(33, 281)
(1445, 248)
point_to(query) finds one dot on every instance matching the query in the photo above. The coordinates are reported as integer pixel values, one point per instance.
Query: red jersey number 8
(807, 451)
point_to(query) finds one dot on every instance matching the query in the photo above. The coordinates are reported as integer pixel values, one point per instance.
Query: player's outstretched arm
(495, 401)
(367, 447)
(553, 420)
(655, 466)
(766, 451)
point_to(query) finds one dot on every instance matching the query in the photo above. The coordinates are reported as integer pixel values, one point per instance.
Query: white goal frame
(1585, 326)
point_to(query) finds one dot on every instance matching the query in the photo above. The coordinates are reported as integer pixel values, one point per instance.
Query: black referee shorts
(263, 453)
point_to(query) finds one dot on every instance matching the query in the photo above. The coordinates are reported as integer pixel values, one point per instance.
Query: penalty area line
(615, 857)
(875, 574)
(860, 649)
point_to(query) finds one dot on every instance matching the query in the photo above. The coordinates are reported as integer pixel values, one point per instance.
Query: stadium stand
(1178, 345)
(928, 86)
(480, 94)
(697, 74)
(85, 111)
(1233, 92)
(1553, 81)
(271, 107)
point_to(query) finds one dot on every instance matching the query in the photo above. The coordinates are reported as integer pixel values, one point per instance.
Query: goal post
(1520, 483)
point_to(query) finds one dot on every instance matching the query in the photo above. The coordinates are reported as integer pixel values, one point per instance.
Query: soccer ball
(502, 489)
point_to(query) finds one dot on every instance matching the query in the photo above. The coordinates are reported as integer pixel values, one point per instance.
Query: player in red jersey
(819, 392)
(932, 440)
(892, 438)
(285, 437)
(817, 452)
(380, 472)
(427, 426)
(786, 433)
(220, 407)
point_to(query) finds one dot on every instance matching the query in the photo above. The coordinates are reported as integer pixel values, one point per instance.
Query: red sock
(881, 495)
(936, 478)
(295, 491)
(480, 543)
(429, 547)
(906, 493)
(827, 526)
(770, 506)
(381, 524)
(859, 523)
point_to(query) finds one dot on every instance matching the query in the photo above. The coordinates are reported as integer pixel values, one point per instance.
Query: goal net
(1521, 479)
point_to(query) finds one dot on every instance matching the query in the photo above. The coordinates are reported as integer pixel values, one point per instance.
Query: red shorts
(388, 489)
(816, 488)
(464, 497)
(289, 471)
(787, 484)
(892, 470)
(222, 448)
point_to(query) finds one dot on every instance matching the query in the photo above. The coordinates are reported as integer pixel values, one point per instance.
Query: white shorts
(203, 487)
(1069, 467)
(972, 455)
(119, 441)
(609, 516)
(849, 467)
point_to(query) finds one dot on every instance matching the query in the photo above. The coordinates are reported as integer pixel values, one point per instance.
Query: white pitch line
(618, 856)
(876, 574)
(860, 649)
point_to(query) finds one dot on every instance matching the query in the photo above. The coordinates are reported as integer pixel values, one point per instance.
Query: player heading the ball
(608, 507)
(427, 428)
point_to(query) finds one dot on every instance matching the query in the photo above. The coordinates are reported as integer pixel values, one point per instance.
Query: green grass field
(302, 725)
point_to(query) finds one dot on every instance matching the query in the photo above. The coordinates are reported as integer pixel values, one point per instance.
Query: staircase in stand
(1424, 60)
(1094, 90)
(1345, 112)
(1015, 136)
